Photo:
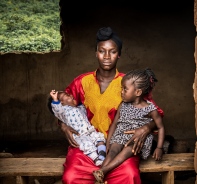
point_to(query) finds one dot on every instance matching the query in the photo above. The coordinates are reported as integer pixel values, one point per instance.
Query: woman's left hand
(139, 136)
(137, 139)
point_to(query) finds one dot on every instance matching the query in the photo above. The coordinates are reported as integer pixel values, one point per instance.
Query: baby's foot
(98, 161)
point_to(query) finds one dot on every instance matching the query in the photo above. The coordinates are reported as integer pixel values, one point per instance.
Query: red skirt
(78, 170)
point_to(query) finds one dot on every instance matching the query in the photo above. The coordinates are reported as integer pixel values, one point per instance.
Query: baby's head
(141, 79)
(66, 99)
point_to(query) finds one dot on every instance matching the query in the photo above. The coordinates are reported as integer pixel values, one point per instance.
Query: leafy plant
(29, 26)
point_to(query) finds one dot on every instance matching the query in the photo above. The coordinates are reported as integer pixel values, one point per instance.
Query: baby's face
(66, 99)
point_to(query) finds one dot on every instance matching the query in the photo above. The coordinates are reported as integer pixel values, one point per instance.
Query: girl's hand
(157, 155)
(68, 132)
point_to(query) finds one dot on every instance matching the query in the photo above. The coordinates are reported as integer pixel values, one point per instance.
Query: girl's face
(128, 93)
(66, 99)
(107, 54)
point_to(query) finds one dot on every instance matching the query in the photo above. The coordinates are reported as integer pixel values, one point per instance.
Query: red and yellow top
(101, 107)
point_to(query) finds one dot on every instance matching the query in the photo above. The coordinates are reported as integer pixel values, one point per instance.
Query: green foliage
(29, 26)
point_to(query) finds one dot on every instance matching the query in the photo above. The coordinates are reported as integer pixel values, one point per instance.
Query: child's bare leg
(118, 159)
(115, 149)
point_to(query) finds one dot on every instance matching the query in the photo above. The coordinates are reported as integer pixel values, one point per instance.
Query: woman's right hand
(68, 132)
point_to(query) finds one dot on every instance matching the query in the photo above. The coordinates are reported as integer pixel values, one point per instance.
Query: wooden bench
(22, 168)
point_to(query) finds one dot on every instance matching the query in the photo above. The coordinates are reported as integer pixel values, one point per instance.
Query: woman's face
(107, 54)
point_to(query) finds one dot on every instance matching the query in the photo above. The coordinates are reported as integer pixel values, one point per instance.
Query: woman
(100, 92)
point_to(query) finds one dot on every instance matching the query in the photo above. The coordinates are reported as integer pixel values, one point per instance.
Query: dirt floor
(59, 149)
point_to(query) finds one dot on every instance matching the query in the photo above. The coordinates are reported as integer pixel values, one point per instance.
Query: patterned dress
(131, 118)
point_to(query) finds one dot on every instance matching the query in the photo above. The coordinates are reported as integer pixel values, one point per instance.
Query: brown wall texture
(161, 37)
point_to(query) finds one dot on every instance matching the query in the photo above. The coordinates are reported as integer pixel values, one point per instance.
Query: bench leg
(168, 177)
(21, 180)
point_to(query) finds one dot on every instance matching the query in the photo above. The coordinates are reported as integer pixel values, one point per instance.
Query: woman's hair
(106, 33)
(142, 79)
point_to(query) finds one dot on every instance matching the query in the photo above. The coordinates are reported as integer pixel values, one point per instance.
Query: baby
(91, 142)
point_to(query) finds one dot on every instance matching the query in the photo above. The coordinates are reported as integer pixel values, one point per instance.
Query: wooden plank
(21, 180)
(170, 162)
(31, 166)
(54, 166)
(195, 158)
(168, 177)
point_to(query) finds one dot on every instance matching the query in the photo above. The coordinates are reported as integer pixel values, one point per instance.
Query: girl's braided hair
(143, 79)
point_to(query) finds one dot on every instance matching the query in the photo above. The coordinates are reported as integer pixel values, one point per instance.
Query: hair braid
(142, 79)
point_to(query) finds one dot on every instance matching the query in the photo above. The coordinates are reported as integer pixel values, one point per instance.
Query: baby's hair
(142, 79)
(59, 92)
(49, 101)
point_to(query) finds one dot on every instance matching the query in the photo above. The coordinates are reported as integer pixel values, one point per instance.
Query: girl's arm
(113, 126)
(161, 134)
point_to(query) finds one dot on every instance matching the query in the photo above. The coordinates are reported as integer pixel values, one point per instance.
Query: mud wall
(195, 87)
(159, 37)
